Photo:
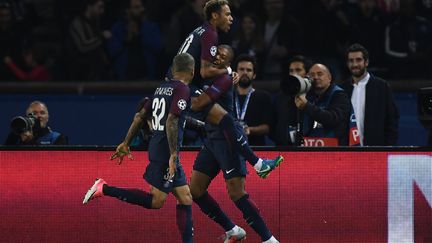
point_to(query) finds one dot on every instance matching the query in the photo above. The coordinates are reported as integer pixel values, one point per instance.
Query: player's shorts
(216, 155)
(157, 175)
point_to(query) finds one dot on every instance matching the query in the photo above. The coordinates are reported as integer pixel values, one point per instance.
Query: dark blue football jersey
(221, 91)
(170, 97)
(200, 44)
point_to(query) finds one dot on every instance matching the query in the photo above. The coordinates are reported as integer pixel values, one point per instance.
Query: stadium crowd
(115, 40)
(135, 40)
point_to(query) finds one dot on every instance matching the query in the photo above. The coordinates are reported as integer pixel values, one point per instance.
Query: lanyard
(241, 113)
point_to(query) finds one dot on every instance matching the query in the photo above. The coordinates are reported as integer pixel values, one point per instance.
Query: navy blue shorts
(216, 155)
(157, 175)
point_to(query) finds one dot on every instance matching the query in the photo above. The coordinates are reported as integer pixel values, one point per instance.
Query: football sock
(252, 216)
(271, 240)
(184, 222)
(211, 208)
(258, 165)
(237, 139)
(133, 196)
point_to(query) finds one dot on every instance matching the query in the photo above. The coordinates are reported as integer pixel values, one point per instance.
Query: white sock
(258, 164)
(271, 240)
(235, 228)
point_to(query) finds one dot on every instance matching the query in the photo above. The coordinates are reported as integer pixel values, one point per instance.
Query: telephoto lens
(294, 85)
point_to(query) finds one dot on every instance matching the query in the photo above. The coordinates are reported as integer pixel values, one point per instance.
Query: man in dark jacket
(35, 132)
(376, 114)
(326, 110)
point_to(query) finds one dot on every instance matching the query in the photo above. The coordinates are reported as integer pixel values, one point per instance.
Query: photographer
(284, 108)
(326, 109)
(33, 130)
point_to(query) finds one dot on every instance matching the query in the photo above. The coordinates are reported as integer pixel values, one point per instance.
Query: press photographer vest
(49, 138)
(320, 136)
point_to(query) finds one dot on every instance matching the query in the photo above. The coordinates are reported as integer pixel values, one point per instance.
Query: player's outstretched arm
(123, 148)
(209, 70)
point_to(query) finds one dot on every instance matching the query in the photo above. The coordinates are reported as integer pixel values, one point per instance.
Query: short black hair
(356, 47)
(213, 6)
(229, 49)
(247, 58)
(183, 62)
(307, 63)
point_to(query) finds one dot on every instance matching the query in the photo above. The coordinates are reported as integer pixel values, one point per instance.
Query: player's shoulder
(208, 31)
(179, 86)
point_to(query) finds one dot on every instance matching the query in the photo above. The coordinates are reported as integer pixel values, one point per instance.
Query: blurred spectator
(286, 115)
(251, 105)
(248, 39)
(368, 24)
(389, 6)
(327, 22)
(135, 45)
(408, 43)
(376, 113)
(17, 7)
(34, 60)
(36, 132)
(424, 8)
(326, 110)
(283, 37)
(183, 22)
(241, 7)
(11, 40)
(87, 58)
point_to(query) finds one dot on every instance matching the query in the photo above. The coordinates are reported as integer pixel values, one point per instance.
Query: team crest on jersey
(213, 50)
(181, 104)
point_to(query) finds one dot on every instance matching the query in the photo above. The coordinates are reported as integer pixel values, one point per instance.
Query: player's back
(170, 97)
(201, 43)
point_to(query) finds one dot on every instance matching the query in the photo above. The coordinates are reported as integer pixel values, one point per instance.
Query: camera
(294, 85)
(20, 124)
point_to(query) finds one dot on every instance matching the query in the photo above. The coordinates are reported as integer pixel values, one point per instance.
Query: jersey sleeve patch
(213, 51)
(182, 104)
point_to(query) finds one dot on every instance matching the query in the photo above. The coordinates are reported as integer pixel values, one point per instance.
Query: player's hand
(236, 77)
(172, 165)
(121, 151)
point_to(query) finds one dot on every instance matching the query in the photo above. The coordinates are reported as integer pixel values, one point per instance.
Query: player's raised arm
(209, 70)
(220, 85)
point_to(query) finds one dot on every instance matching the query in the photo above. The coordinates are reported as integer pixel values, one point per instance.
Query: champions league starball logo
(213, 50)
(181, 104)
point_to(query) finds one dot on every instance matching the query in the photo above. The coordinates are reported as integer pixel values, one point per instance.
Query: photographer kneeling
(326, 110)
(32, 129)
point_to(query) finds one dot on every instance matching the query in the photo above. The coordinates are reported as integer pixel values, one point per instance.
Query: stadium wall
(100, 119)
(317, 195)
